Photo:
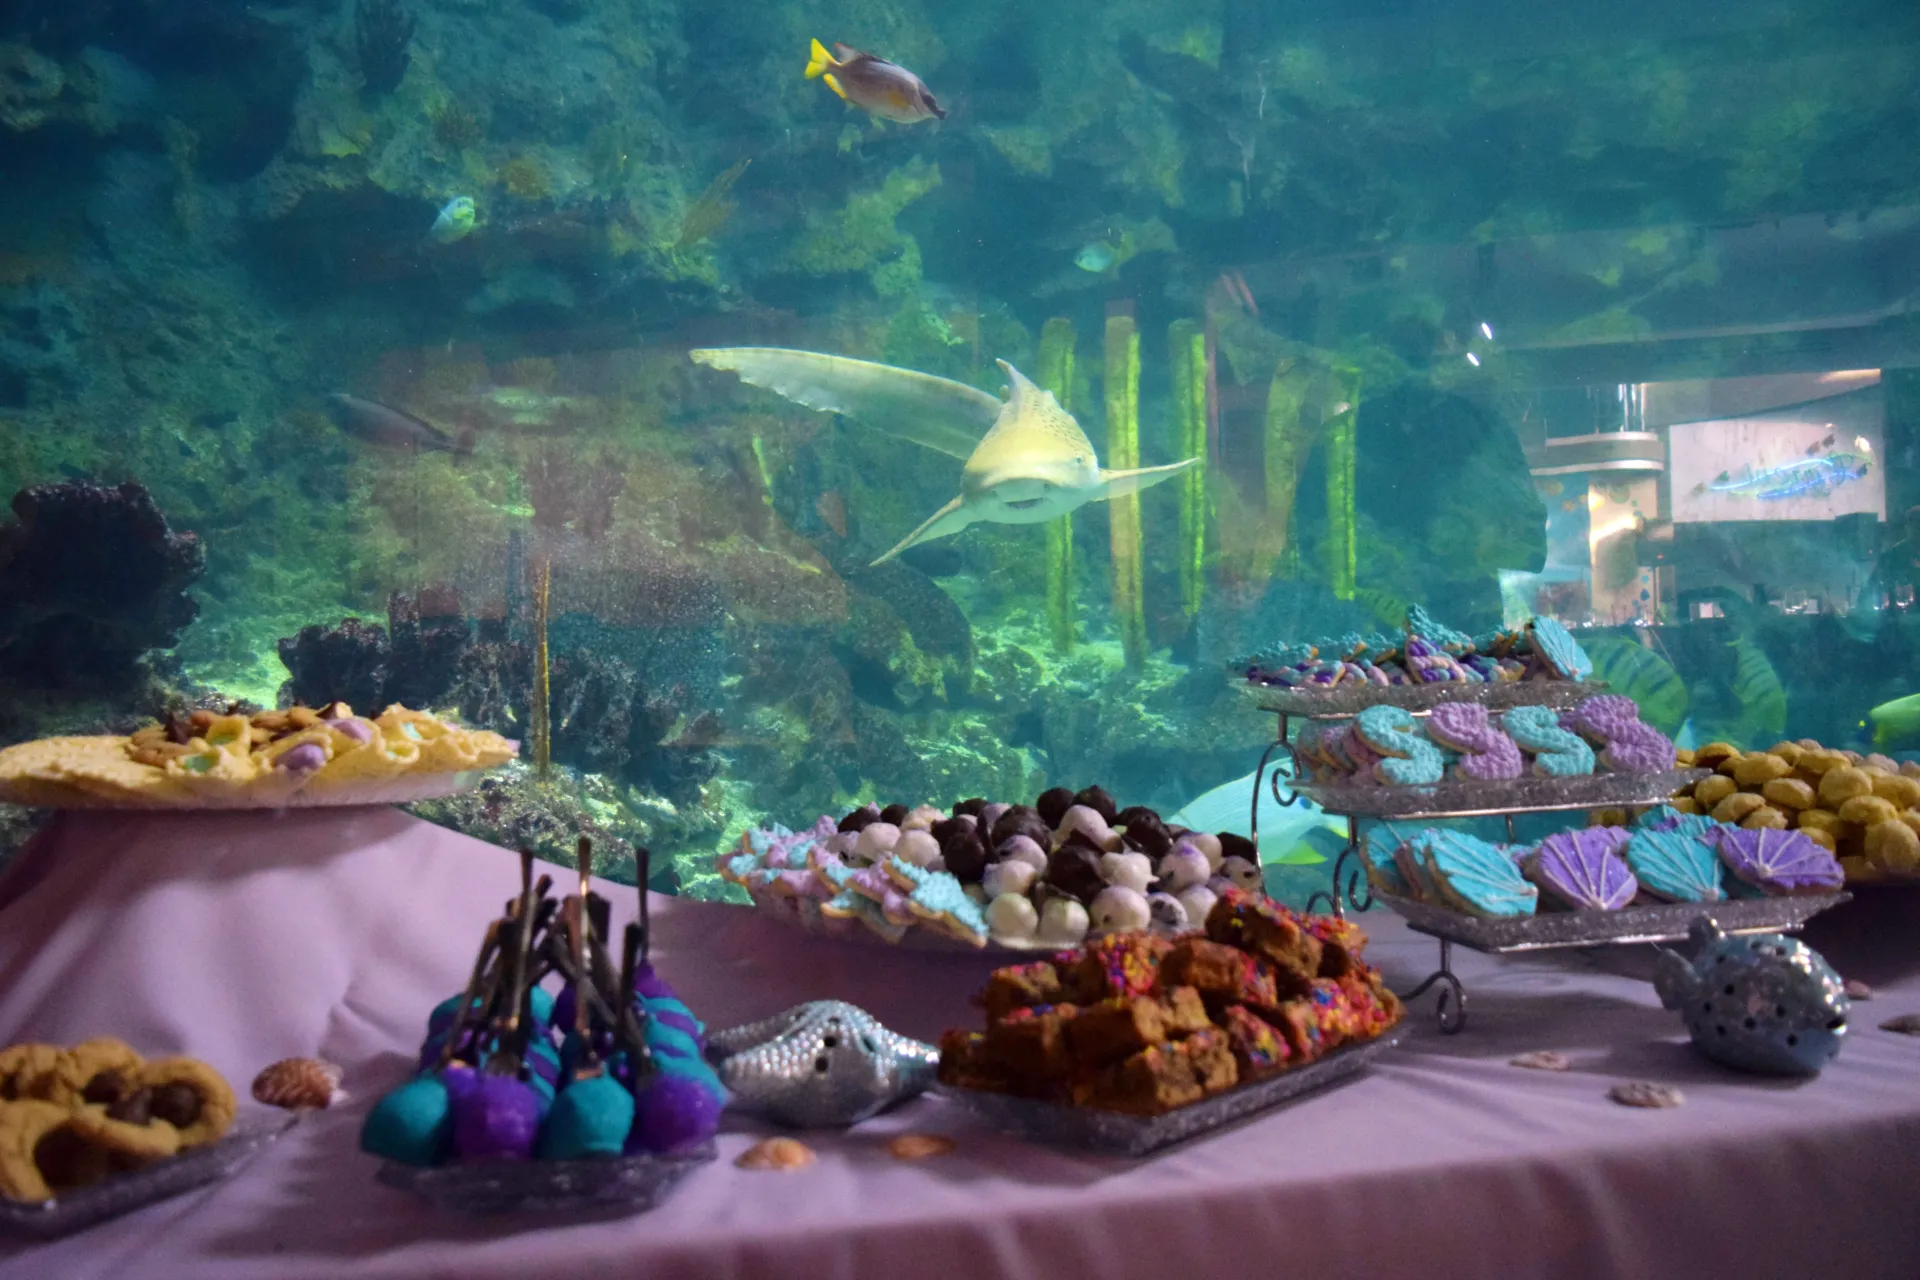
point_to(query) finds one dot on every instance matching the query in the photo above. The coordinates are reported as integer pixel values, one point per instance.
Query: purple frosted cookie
(1777, 862)
(1630, 746)
(1486, 754)
(1583, 869)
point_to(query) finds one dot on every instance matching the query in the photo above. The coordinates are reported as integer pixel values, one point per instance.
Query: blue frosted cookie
(1555, 646)
(1674, 865)
(1474, 876)
(1409, 759)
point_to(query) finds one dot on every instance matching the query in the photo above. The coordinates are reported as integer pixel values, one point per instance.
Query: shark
(1026, 460)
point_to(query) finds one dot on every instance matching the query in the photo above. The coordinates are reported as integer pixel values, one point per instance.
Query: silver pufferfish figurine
(1764, 1003)
(820, 1065)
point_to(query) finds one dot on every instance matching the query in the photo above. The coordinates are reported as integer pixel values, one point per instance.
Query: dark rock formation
(91, 578)
(349, 663)
(382, 30)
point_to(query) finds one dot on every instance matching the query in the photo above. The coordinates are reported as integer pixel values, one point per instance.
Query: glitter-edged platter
(614, 1187)
(1343, 701)
(1659, 922)
(1467, 799)
(374, 791)
(124, 1192)
(805, 915)
(1116, 1133)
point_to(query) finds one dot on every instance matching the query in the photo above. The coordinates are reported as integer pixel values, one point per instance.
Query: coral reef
(91, 579)
(382, 32)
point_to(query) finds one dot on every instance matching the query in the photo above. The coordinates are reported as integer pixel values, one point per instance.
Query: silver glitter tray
(1116, 1133)
(1661, 922)
(124, 1192)
(625, 1185)
(1455, 799)
(1342, 701)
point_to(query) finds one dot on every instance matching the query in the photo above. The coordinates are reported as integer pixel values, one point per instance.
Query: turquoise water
(1597, 311)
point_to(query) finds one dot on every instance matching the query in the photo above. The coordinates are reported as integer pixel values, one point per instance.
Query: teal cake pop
(413, 1124)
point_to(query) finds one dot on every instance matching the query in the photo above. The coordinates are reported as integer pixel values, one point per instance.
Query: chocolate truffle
(1053, 805)
(1075, 871)
(895, 813)
(1233, 846)
(1021, 820)
(1145, 831)
(860, 818)
(965, 853)
(972, 805)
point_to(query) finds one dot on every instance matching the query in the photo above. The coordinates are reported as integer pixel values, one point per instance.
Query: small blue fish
(1815, 477)
(455, 221)
(1095, 257)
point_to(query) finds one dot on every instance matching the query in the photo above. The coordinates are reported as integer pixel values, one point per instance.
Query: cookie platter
(627, 1184)
(1117, 1133)
(1463, 798)
(1343, 702)
(1656, 922)
(124, 1192)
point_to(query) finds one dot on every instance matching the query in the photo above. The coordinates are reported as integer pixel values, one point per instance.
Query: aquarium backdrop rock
(344, 351)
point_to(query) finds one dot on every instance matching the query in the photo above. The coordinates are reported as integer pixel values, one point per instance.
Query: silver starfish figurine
(823, 1064)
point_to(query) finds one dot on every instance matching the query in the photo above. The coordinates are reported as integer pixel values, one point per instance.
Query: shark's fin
(1118, 484)
(947, 416)
(943, 523)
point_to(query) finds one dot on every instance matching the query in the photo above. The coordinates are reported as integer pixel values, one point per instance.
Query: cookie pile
(208, 759)
(1070, 865)
(1463, 741)
(1144, 1024)
(72, 1117)
(1426, 652)
(1665, 856)
(1865, 809)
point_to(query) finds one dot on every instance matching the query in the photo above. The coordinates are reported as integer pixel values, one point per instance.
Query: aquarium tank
(390, 351)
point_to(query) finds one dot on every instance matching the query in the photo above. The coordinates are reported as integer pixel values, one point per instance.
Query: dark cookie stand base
(248, 937)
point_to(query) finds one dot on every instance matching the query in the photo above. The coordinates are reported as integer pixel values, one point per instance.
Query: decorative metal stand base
(1450, 1005)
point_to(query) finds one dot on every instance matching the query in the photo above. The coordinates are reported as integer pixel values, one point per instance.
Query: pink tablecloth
(245, 938)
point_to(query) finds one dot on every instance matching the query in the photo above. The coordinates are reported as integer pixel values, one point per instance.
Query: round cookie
(192, 1097)
(1868, 810)
(127, 1130)
(1757, 770)
(1893, 846)
(78, 1068)
(1710, 791)
(40, 1155)
(1838, 785)
(29, 1071)
(1789, 793)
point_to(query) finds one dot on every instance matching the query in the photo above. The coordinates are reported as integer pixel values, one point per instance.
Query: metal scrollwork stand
(1349, 884)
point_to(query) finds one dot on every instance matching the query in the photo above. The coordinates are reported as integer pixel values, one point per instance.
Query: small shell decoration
(299, 1084)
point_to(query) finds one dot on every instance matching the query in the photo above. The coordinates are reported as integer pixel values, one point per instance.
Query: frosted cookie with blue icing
(939, 897)
(1377, 849)
(1408, 758)
(1559, 653)
(1474, 876)
(1674, 864)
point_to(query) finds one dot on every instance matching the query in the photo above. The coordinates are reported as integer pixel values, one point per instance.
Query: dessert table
(243, 938)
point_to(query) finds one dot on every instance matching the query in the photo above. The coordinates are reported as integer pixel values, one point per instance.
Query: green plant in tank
(1187, 346)
(860, 235)
(1123, 454)
(1341, 455)
(1056, 375)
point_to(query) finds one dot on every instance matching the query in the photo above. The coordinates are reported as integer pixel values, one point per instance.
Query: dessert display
(1146, 1025)
(1864, 809)
(208, 760)
(95, 1130)
(1465, 742)
(1046, 875)
(1425, 652)
(599, 1096)
(1665, 857)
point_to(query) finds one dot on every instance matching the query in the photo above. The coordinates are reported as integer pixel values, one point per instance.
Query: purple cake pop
(494, 1117)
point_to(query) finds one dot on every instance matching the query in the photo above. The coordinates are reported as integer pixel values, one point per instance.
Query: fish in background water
(1298, 834)
(1896, 724)
(876, 86)
(392, 428)
(1095, 257)
(454, 222)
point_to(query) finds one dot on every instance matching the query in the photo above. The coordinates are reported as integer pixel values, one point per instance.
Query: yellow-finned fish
(1896, 724)
(875, 85)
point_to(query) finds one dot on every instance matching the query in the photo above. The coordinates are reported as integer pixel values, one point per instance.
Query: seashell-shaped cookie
(1581, 869)
(1778, 861)
(1675, 865)
(298, 1084)
(1474, 876)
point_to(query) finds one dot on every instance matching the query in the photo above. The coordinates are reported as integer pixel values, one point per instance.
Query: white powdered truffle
(876, 841)
(1011, 918)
